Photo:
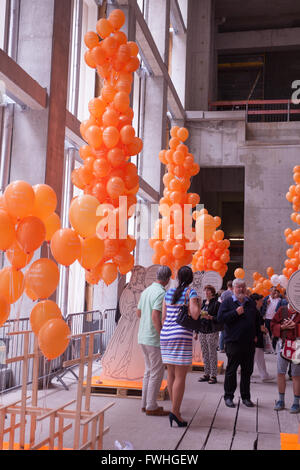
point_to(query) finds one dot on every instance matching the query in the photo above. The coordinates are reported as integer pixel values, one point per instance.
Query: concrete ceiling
(241, 15)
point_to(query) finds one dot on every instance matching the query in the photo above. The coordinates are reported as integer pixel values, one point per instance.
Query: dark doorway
(221, 190)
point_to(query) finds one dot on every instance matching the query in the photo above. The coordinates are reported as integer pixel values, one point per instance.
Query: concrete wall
(268, 157)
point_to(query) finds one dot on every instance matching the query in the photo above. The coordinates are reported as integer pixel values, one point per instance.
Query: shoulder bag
(184, 318)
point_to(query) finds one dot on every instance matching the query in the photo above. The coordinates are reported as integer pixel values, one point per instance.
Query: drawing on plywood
(123, 358)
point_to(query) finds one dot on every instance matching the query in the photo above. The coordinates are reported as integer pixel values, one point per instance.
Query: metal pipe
(63, 288)
(75, 56)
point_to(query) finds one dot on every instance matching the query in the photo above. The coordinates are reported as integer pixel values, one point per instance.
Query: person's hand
(287, 324)
(240, 310)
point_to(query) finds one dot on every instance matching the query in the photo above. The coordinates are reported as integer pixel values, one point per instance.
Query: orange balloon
(104, 28)
(182, 134)
(110, 118)
(92, 251)
(65, 246)
(17, 256)
(270, 271)
(42, 278)
(101, 167)
(42, 312)
(127, 134)
(127, 266)
(121, 101)
(31, 232)
(117, 18)
(111, 137)
(82, 215)
(109, 273)
(52, 224)
(91, 39)
(218, 235)
(116, 157)
(134, 48)
(4, 310)
(53, 338)
(108, 92)
(115, 187)
(19, 199)
(96, 107)
(110, 46)
(89, 59)
(93, 136)
(239, 273)
(45, 201)
(7, 231)
(11, 284)
(178, 251)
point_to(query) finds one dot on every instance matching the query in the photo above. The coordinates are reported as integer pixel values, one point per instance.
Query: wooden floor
(212, 426)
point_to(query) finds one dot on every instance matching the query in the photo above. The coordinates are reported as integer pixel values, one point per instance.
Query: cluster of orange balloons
(49, 326)
(107, 174)
(262, 284)
(292, 261)
(213, 253)
(171, 236)
(27, 219)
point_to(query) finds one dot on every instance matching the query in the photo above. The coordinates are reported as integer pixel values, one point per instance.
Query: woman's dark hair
(256, 297)
(211, 288)
(185, 277)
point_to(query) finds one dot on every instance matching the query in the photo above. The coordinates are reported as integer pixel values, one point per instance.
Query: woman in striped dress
(176, 342)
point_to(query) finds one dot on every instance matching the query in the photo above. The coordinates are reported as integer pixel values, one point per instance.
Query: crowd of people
(235, 321)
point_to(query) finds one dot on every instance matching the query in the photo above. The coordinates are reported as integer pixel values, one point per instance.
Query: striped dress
(176, 342)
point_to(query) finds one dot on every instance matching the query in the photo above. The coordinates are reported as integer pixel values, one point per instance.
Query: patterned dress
(176, 342)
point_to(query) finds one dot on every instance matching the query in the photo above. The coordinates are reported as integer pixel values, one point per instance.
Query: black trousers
(238, 355)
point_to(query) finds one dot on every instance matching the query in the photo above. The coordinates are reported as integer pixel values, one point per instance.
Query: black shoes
(229, 403)
(248, 403)
(180, 424)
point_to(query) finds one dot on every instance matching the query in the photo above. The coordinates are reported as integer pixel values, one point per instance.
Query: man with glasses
(241, 327)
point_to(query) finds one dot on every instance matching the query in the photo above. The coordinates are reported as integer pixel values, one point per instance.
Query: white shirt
(271, 308)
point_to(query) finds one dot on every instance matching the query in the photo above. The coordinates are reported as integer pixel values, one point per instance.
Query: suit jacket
(240, 329)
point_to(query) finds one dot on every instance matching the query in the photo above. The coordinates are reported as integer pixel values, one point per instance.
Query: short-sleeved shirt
(151, 299)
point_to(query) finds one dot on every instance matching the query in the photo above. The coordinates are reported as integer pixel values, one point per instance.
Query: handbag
(184, 318)
(290, 350)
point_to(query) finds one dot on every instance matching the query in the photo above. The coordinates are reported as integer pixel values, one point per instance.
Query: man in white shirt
(269, 309)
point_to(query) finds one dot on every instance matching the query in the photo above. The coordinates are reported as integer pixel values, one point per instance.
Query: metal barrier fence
(12, 346)
(261, 110)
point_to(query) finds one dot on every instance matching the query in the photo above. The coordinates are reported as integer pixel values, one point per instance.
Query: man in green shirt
(149, 311)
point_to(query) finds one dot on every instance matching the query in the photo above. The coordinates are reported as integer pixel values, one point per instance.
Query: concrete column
(155, 110)
(178, 55)
(200, 54)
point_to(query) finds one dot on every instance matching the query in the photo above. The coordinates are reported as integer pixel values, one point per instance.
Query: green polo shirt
(151, 299)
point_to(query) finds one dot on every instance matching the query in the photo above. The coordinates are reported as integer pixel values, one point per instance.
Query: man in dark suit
(238, 313)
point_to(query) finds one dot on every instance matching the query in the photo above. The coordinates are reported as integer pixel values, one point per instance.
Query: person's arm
(164, 312)
(138, 313)
(194, 308)
(156, 320)
(228, 313)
